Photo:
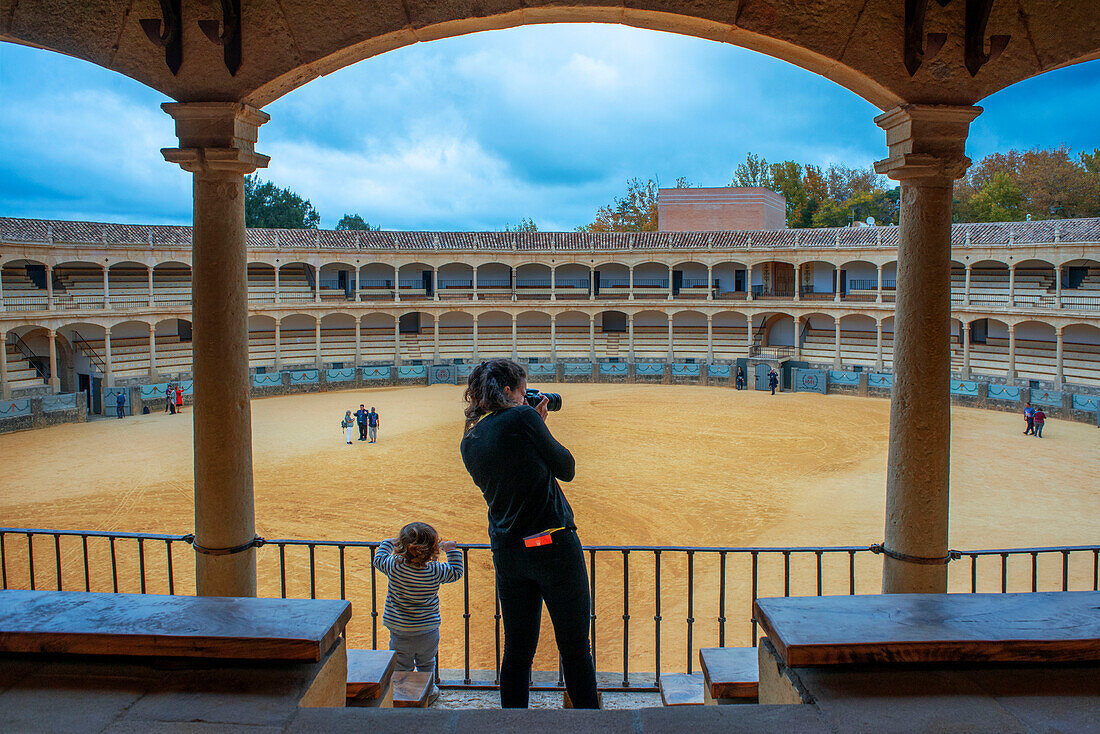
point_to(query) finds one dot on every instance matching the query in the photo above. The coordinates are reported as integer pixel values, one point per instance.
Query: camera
(534, 397)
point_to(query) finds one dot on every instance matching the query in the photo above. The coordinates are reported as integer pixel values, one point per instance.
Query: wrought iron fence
(653, 607)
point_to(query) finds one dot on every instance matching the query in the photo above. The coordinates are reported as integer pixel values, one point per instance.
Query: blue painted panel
(148, 392)
(542, 369)
(964, 387)
(685, 370)
(649, 368)
(808, 380)
(188, 386)
(412, 371)
(718, 370)
(613, 368)
(15, 408)
(464, 370)
(267, 380)
(1047, 397)
(578, 368)
(110, 399)
(1090, 403)
(376, 373)
(883, 380)
(340, 375)
(1004, 392)
(304, 377)
(51, 403)
(838, 377)
(442, 374)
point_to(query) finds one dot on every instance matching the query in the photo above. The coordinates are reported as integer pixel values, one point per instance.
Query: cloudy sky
(479, 131)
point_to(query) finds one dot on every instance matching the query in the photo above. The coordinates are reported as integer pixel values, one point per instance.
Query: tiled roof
(40, 231)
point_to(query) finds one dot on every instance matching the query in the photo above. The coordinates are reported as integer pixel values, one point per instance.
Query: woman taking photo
(516, 463)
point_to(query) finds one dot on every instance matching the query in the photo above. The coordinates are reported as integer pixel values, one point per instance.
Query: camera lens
(553, 401)
(534, 397)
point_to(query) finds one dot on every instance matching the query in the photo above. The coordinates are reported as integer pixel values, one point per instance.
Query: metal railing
(26, 303)
(679, 598)
(771, 352)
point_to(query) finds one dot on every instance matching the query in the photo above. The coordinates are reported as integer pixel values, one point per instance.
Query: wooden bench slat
(927, 628)
(731, 672)
(682, 689)
(369, 672)
(85, 623)
(411, 689)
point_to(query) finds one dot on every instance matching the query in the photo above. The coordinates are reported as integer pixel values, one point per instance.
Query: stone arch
(37, 340)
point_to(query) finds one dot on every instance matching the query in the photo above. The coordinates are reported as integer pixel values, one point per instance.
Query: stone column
(475, 333)
(591, 337)
(670, 282)
(630, 335)
(5, 389)
(710, 338)
(152, 298)
(435, 334)
(515, 346)
(926, 144)
(797, 340)
(397, 340)
(1059, 379)
(359, 341)
(966, 286)
(152, 352)
(318, 360)
(748, 335)
(710, 282)
(278, 296)
(671, 354)
(1057, 286)
(397, 284)
(217, 145)
(435, 283)
(553, 284)
(836, 346)
(355, 285)
(630, 282)
(878, 288)
(106, 287)
(512, 281)
(1011, 285)
(108, 366)
(55, 381)
(278, 348)
(317, 284)
(878, 346)
(2, 309)
(591, 283)
(475, 283)
(553, 337)
(797, 282)
(49, 288)
(965, 333)
(836, 284)
(748, 283)
(1011, 374)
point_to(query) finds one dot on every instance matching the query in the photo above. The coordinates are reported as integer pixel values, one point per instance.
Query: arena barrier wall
(413, 373)
(442, 374)
(612, 369)
(346, 374)
(272, 379)
(538, 369)
(649, 371)
(1086, 403)
(1046, 398)
(964, 388)
(686, 370)
(1003, 392)
(21, 414)
(809, 380)
(880, 380)
(378, 374)
(721, 371)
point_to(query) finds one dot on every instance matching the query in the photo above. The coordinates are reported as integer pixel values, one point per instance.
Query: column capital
(216, 137)
(926, 142)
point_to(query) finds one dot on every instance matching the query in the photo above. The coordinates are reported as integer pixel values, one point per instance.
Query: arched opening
(295, 282)
(689, 335)
(571, 334)
(572, 282)
(1081, 354)
(34, 344)
(989, 347)
(730, 333)
(172, 284)
(336, 281)
(456, 335)
(455, 281)
(1035, 357)
(1080, 281)
(989, 283)
(689, 280)
(261, 340)
(819, 338)
(172, 354)
(729, 279)
(494, 334)
(858, 340)
(78, 285)
(297, 337)
(612, 282)
(338, 340)
(651, 280)
(533, 282)
(128, 284)
(494, 282)
(376, 282)
(1033, 284)
(533, 335)
(858, 281)
(89, 362)
(129, 351)
(377, 332)
(261, 283)
(23, 283)
(417, 330)
(773, 280)
(650, 333)
(817, 281)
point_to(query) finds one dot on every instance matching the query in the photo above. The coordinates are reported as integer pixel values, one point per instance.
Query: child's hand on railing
(448, 545)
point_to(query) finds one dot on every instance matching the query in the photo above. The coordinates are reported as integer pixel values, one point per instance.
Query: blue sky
(479, 131)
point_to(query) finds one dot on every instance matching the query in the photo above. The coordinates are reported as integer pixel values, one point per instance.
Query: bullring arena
(642, 334)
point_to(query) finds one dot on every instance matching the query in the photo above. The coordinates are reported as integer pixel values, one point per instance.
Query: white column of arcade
(55, 381)
(1057, 286)
(592, 337)
(397, 283)
(748, 335)
(670, 356)
(152, 352)
(553, 284)
(359, 341)
(49, 288)
(836, 344)
(151, 296)
(797, 282)
(217, 145)
(836, 284)
(670, 282)
(710, 338)
(316, 284)
(748, 283)
(926, 154)
(797, 340)
(553, 336)
(106, 287)
(630, 282)
(355, 285)
(630, 335)
(108, 364)
(1011, 285)
(1011, 373)
(710, 282)
(965, 333)
(435, 283)
(515, 346)
(878, 345)
(966, 286)
(1059, 379)
(475, 283)
(317, 341)
(5, 390)
(278, 296)
(878, 287)
(278, 346)
(475, 333)
(397, 340)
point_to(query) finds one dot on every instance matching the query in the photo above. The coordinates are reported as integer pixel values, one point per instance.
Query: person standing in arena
(740, 378)
(1029, 416)
(516, 462)
(179, 399)
(120, 403)
(773, 380)
(361, 420)
(169, 402)
(373, 421)
(348, 425)
(1037, 423)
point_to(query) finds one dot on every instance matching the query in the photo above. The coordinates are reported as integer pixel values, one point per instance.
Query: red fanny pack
(543, 538)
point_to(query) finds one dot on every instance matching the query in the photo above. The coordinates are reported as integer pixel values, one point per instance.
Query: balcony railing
(653, 607)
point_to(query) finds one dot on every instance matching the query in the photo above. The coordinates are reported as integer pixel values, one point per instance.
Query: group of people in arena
(516, 463)
(173, 399)
(367, 421)
(1035, 418)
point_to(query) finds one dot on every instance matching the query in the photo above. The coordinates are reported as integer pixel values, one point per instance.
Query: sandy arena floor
(657, 465)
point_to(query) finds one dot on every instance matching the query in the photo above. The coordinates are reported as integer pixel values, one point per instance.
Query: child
(412, 599)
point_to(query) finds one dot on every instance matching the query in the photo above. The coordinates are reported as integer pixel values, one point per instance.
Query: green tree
(999, 200)
(524, 225)
(268, 206)
(636, 211)
(354, 221)
(786, 178)
(753, 172)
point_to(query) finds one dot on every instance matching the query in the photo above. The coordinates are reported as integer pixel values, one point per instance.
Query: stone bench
(147, 657)
(730, 674)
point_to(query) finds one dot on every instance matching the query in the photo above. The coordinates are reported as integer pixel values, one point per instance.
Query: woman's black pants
(555, 574)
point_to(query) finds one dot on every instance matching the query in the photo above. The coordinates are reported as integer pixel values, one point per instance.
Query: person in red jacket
(1039, 419)
(179, 399)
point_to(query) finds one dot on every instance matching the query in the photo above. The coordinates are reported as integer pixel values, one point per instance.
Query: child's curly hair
(417, 544)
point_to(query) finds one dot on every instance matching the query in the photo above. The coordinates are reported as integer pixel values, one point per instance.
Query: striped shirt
(412, 597)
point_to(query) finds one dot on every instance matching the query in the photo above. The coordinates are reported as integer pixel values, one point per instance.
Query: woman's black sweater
(516, 463)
